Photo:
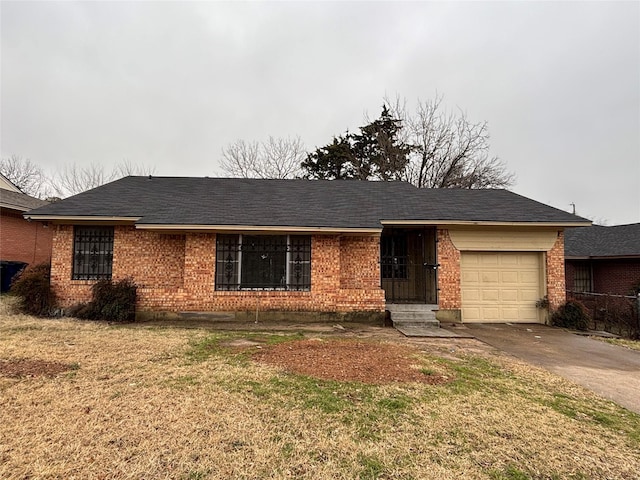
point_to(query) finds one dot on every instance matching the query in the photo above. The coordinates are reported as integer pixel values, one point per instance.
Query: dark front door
(408, 265)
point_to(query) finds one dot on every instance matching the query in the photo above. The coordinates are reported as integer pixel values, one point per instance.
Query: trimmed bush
(33, 288)
(115, 302)
(572, 314)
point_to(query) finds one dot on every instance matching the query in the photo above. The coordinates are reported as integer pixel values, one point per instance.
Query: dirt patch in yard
(18, 368)
(357, 361)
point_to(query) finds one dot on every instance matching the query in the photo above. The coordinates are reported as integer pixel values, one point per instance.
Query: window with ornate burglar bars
(92, 253)
(263, 262)
(582, 278)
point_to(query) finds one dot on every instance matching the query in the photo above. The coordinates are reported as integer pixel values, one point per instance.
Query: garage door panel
(490, 295)
(510, 260)
(471, 295)
(510, 295)
(511, 312)
(509, 277)
(500, 286)
(490, 277)
(531, 260)
(473, 314)
(489, 259)
(531, 295)
(529, 277)
(490, 314)
(471, 276)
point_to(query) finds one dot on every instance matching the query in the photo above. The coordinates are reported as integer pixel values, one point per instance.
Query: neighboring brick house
(603, 259)
(346, 247)
(21, 240)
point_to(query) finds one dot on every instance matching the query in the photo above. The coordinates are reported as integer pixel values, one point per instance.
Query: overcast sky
(170, 84)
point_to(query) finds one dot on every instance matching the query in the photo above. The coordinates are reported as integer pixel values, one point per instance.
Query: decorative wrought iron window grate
(263, 262)
(92, 253)
(394, 256)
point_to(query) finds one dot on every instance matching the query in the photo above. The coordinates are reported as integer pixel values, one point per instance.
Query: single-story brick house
(21, 240)
(603, 259)
(346, 247)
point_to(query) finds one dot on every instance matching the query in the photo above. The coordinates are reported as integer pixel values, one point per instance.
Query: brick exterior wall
(177, 273)
(24, 241)
(449, 293)
(614, 276)
(556, 292)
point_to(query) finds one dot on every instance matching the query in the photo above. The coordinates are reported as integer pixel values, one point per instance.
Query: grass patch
(196, 475)
(372, 467)
(598, 412)
(509, 473)
(621, 342)
(230, 345)
(473, 374)
(303, 392)
(183, 382)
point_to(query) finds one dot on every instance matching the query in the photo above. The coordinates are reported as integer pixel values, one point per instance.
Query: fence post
(638, 312)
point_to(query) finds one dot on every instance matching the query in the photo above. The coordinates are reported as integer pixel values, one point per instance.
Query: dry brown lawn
(175, 403)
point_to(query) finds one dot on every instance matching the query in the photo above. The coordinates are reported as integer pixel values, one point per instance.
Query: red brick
(24, 241)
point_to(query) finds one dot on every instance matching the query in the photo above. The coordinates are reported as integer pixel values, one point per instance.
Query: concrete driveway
(609, 370)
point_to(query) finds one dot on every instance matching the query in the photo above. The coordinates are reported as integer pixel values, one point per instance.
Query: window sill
(83, 282)
(258, 293)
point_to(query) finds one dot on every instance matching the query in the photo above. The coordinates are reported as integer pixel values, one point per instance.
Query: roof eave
(18, 208)
(79, 218)
(486, 223)
(257, 228)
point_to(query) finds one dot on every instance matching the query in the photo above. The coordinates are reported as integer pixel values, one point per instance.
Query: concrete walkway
(609, 370)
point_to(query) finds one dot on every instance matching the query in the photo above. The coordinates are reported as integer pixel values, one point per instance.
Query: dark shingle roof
(598, 241)
(486, 205)
(19, 201)
(299, 203)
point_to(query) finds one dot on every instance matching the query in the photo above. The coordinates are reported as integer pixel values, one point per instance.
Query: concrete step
(413, 315)
(414, 323)
(410, 307)
(414, 319)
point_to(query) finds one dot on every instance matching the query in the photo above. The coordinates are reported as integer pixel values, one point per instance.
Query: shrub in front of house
(33, 289)
(112, 301)
(572, 314)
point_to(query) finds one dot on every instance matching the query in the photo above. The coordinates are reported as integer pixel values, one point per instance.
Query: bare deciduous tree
(77, 179)
(275, 158)
(26, 175)
(447, 150)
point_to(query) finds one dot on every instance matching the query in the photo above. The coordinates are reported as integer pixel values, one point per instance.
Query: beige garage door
(501, 286)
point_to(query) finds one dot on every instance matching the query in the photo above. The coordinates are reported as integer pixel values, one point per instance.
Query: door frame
(415, 263)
